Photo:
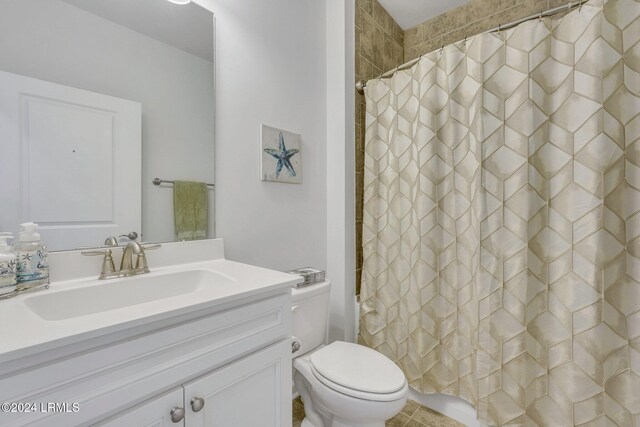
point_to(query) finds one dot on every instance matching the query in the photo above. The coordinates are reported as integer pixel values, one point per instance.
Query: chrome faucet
(127, 265)
(114, 241)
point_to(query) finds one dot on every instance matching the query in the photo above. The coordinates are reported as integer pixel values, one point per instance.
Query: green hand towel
(190, 209)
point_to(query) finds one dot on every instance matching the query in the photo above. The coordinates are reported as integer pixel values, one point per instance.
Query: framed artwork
(281, 155)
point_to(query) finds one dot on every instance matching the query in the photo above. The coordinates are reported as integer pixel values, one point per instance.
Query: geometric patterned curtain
(502, 220)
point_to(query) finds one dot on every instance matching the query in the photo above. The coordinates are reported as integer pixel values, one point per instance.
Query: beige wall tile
(398, 35)
(413, 36)
(473, 17)
(556, 3)
(383, 18)
(393, 53)
(376, 72)
(367, 5)
(413, 51)
(371, 34)
(517, 12)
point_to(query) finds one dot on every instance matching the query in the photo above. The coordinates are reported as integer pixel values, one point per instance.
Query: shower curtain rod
(361, 84)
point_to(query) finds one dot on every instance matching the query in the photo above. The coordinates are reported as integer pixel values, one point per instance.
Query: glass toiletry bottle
(32, 268)
(7, 265)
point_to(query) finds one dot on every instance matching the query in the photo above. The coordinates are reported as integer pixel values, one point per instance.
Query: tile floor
(413, 415)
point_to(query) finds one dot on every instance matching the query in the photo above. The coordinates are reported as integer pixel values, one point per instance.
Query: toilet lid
(357, 367)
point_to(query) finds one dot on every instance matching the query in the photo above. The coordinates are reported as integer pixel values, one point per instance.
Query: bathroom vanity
(199, 341)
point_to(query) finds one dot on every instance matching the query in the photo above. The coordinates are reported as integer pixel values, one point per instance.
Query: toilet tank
(309, 315)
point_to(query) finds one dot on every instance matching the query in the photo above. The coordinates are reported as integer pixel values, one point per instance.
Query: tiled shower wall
(473, 17)
(381, 45)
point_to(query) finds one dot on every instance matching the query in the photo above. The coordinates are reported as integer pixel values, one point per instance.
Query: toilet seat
(358, 371)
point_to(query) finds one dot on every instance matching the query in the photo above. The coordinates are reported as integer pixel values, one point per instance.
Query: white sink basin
(112, 294)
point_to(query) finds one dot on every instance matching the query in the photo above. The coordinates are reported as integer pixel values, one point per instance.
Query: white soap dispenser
(32, 268)
(7, 265)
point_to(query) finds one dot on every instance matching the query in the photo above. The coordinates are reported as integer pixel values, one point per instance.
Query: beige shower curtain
(501, 220)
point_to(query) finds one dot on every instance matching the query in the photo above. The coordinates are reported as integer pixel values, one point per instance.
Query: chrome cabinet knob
(197, 403)
(295, 346)
(177, 414)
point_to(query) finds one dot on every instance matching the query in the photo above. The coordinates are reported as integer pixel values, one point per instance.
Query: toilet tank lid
(358, 368)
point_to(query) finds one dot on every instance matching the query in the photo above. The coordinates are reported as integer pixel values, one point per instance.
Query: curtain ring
(442, 50)
(540, 16)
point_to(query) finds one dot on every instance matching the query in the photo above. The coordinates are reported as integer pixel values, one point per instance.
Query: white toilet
(341, 384)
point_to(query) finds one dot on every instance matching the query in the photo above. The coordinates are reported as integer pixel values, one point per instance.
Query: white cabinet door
(71, 161)
(153, 413)
(252, 392)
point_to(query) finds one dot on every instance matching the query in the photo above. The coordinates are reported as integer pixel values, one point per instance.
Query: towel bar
(158, 181)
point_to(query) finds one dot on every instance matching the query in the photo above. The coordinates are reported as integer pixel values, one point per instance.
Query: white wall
(270, 68)
(54, 41)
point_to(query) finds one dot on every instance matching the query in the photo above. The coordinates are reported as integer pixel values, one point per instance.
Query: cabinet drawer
(126, 372)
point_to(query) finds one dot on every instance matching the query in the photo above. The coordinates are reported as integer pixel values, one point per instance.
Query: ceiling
(188, 27)
(409, 13)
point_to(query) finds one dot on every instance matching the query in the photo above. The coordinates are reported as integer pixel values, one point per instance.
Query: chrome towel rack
(158, 181)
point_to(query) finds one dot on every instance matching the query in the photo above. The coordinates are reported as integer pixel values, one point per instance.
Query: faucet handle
(96, 252)
(141, 263)
(108, 266)
(131, 236)
(111, 241)
(141, 260)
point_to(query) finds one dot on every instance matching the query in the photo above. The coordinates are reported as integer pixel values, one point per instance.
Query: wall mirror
(98, 98)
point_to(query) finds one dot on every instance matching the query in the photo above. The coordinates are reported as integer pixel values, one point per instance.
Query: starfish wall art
(281, 156)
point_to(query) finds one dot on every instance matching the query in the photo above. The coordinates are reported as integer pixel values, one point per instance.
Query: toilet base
(338, 423)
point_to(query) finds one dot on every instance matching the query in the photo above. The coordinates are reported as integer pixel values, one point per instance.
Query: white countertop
(24, 333)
